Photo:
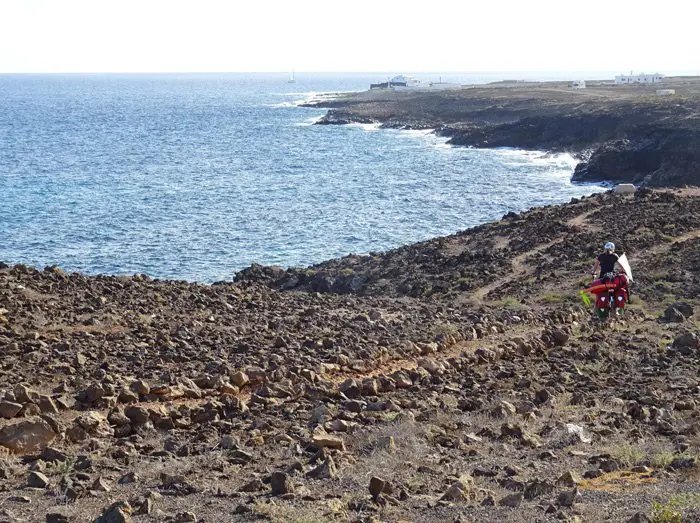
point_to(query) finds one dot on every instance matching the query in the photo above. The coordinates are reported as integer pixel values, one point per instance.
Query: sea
(197, 176)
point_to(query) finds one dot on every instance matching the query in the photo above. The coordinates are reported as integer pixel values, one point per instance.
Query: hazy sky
(358, 35)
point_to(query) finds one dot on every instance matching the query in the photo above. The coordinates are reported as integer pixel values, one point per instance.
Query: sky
(41, 36)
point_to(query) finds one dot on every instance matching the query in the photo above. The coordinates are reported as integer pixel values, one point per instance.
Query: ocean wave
(427, 135)
(281, 104)
(538, 157)
(416, 132)
(317, 97)
(310, 121)
(370, 127)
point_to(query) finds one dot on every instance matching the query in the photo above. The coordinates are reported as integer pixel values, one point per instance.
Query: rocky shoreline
(459, 379)
(620, 133)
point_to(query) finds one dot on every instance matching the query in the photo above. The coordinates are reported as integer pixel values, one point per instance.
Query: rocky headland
(619, 133)
(455, 380)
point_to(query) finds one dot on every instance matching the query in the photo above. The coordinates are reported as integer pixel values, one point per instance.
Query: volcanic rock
(37, 480)
(323, 440)
(326, 470)
(281, 483)
(118, 512)
(55, 517)
(378, 486)
(26, 436)
(568, 498)
(9, 409)
(511, 500)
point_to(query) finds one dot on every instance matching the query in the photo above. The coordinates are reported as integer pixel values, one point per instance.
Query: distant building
(655, 78)
(400, 82)
(578, 84)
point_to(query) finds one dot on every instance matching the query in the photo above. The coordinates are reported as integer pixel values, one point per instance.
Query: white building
(655, 78)
(578, 84)
(398, 82)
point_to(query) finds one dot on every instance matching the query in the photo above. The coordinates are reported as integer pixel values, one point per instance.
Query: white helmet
(610, 246)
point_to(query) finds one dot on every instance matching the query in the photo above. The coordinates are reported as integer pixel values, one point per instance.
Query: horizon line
(463, 72)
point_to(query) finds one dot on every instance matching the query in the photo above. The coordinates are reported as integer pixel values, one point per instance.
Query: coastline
(460, 376)
(621, 134)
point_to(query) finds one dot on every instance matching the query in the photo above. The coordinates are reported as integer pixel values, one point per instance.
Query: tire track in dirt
(666, 246)
(519, 268)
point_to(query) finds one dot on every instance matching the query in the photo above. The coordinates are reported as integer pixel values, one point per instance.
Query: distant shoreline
(620, 133)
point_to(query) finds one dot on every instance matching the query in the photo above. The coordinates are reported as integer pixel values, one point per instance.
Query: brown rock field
(460, 379)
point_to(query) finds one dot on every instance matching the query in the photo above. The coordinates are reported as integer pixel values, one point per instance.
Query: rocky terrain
(456, 380)
(620, 133)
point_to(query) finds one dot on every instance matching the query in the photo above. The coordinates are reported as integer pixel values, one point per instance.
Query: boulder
(322, 440)
(685, 344)
(37, 480)
(560, 337)
(673, 315)
(511, 500)
(326, 470)
(569, 497)
(281, 483)
(460, 491)
(27, 436)
(94, 424)
(678, 312)
(119, 512)
(569, 478)
(639, 517)
(57, 517)
(137, 415)
(240, 379)
(9, 409)
(378, 486)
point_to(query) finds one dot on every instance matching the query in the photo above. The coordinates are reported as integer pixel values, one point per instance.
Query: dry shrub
(374, 458)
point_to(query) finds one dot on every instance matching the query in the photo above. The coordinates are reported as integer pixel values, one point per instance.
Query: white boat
(291, 79)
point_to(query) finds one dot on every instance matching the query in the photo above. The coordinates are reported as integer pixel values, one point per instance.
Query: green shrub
(672, 510)
(507, 302)
(628, 455)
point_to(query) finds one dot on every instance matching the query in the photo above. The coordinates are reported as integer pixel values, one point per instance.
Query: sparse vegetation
(672, 510)
(662, 460)
(445, 329)
(628, 454)
(320, 388)
(507, 302)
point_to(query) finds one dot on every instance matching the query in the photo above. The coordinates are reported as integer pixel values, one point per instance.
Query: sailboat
(291, 78)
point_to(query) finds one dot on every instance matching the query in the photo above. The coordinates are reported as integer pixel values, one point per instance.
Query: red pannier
(621, 283)
(602, 287)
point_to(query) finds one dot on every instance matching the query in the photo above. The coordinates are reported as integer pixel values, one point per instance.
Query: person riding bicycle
(606, 262)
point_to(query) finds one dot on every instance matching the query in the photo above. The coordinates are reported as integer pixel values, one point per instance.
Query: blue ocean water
(196, 176)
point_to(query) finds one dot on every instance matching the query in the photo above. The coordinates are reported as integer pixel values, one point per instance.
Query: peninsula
(643, 134)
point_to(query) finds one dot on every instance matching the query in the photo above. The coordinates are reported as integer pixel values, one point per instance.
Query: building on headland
(578, 84)
(643, 78)
(401, 82)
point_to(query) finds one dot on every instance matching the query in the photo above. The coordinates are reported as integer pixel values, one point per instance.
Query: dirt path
(519, 268)
(665, 247)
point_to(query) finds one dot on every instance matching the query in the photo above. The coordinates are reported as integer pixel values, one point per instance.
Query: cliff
(620, 133)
